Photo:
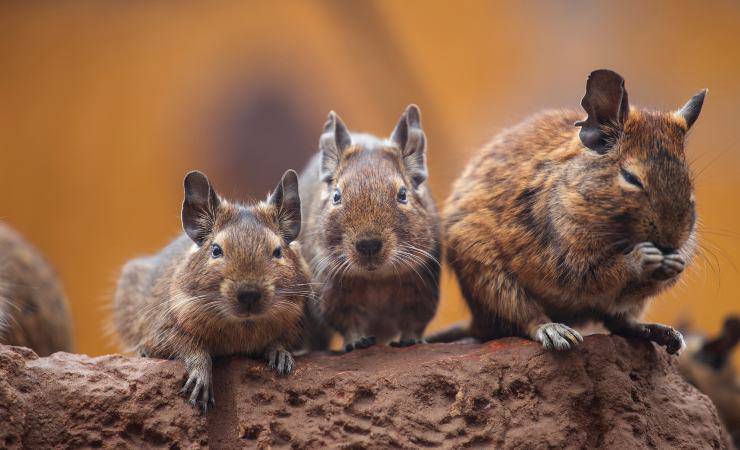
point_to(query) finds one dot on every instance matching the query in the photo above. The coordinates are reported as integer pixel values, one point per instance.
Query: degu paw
(363, 342)
(671, 266)
(666, 336)
(654, 263)
(200, 386)
(407, 342)
(281, 361)
(556, 336)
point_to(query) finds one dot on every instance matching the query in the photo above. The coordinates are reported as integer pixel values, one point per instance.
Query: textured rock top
(610, 392)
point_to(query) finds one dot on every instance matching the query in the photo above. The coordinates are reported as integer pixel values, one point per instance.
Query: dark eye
(216, 251)
(278, 252)
(631, 178)
(402, 197)
(337, 197)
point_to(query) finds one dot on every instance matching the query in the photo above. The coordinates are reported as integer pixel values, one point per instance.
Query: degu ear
(607, 107)
(692, 108)
(287, 201)
(334, 140)
(410, 138)
(199, 207)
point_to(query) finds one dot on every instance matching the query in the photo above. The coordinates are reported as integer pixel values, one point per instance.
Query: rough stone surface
(508, 393)
(73, 401)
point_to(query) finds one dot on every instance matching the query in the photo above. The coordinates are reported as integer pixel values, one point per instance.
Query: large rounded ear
(199, 207)
(287, 201)
(410, 138)
(607, 107)
(334, 140)
(692, 108)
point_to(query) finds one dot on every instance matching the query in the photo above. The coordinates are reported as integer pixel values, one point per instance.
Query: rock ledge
(611, 392)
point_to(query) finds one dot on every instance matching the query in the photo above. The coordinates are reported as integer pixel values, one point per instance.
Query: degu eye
(401, 196)
(216, 251)
(337, 197)
(278, 252)
(630, 178)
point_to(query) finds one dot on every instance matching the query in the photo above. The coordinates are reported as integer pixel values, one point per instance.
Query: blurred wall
(105, 105)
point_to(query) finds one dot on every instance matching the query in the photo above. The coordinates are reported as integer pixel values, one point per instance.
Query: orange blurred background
(104, 106)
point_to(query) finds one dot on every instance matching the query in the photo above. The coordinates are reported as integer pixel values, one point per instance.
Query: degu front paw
(407, 342)
(363, 342)
(200, 386)
(281, 361)
(556, 336)
(657, 265)
(666, 336)
(671, 266)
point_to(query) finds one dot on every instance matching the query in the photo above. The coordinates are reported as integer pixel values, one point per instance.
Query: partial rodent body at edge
(371, 235)
(33, 308)
(552, 225)
(233, 283)
(707, 365)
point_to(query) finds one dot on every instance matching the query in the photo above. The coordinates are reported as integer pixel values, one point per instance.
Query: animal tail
(454, 333)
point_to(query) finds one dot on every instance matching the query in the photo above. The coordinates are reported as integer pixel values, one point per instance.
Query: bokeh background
(104, 106)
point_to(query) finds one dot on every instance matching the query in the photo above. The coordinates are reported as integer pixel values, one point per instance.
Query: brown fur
(395, 293)
(541, 229)
(33, 308)
(182, 303)
(706, 364)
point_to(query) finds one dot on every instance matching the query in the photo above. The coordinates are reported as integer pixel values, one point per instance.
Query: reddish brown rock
(73, 401)
(509, 393)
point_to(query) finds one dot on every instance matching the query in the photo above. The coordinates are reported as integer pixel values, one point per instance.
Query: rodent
(233, 283)
(552, 224)
(716, 352)
(372, 233)
(33, 308)
(707, 365)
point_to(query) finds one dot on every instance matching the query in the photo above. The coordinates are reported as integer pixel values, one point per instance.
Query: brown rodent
(372, 233)
(33, 308)
(553, 224)
(706, 364)
(716, 352)
(231, 284)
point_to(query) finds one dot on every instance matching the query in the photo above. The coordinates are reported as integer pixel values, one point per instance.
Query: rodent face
(374, 220)
(241, 266)
(244, 269)
(641, 189)
(634, 184)
(654, 173)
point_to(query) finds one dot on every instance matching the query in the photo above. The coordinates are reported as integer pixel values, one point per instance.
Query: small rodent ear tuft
(691, 110)
(409, 137)
(607, 107)
(333, 142)
(199, 207)
(287, 202)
